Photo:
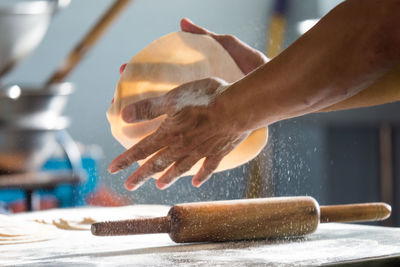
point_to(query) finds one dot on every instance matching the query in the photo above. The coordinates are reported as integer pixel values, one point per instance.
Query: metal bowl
(29, 120)
(26, 147)
(24, 105)
(22, 27)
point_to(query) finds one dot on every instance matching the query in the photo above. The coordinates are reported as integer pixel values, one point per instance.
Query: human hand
(197, 126)
(246, 58)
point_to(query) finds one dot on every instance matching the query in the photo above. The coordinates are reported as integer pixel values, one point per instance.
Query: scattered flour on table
(51, 224)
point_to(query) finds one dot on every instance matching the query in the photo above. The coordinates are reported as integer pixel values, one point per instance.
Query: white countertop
(331, 243)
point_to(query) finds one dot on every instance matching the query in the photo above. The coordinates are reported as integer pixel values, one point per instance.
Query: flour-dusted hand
(197, 126)
(247, 58)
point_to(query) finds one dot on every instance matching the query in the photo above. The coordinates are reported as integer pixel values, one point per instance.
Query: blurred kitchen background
(340, 157)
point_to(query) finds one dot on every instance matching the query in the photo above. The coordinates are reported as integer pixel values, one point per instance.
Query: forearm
(385, 90)
(347, 51)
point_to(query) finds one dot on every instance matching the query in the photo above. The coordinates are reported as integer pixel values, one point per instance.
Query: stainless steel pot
(27, 147)
(22, 27)
(29, 120)
(31, 104)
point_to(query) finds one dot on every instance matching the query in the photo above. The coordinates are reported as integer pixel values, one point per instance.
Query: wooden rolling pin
(88, 41)
(244, 219)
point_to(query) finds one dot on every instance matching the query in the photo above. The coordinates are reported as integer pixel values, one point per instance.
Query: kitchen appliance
(31, 122)
(26, 147)
(23, 25)
(28, 116)
(31, 105)
(28, 124)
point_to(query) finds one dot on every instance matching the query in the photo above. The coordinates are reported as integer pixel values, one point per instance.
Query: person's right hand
(246, 58)
(184, 137)
(191, 131)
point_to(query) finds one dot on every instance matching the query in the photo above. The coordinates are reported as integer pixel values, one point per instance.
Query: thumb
(146, 109)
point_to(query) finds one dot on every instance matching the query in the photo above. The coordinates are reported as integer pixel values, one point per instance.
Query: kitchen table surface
(331, 244)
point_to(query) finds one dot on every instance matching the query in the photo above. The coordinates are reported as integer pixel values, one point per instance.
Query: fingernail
(196, 183)
(113, 169)
(131, 186)
(122, 68)
(161, 185)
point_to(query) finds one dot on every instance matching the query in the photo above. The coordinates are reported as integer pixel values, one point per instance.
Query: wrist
(231, 105)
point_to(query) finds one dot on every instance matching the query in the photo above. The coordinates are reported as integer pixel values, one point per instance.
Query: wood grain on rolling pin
(244, 219)
(227, 220)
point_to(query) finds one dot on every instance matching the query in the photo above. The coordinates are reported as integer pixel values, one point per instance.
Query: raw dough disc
(17, 231)
(81, 218)
(166, 63)
(52, 224)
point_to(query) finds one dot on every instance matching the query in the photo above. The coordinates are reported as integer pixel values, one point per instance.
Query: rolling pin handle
(131, 227)
(355, 212)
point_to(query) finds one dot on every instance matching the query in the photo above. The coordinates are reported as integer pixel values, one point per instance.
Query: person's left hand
(197, 126)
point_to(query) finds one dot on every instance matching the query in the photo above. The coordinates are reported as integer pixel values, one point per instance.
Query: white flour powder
(197, 97)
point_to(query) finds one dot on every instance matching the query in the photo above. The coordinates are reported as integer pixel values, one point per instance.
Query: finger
(185, 164)
(225, 40)
(141, 150)
(188, 26)
(209, 166)
(155, 164)
(146, 109)
(245, 57)
(122, 68)
(175, 171)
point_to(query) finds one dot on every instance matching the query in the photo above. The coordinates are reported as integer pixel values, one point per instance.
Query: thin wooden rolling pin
(244, 219)
(88, 41)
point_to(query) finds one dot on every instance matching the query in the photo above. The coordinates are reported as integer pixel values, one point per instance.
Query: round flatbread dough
(46, 225)
(17, 231)
(163, 65)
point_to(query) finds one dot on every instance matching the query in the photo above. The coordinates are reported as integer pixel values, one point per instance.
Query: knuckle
(157, 165)
(181, 142)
